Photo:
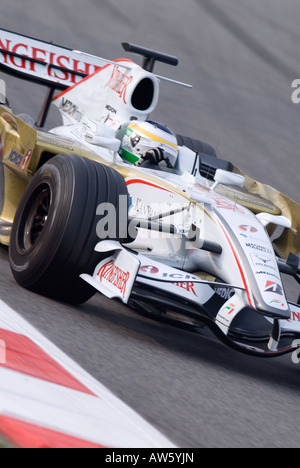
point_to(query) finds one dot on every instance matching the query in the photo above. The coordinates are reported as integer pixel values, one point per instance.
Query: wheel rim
(35, 217)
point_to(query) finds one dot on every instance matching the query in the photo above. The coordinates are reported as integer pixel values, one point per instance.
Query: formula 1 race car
(113, 202)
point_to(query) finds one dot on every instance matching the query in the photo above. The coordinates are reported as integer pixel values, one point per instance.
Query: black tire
(195, 145)
(54, 231)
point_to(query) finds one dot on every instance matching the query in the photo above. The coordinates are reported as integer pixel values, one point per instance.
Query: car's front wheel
(55, 228)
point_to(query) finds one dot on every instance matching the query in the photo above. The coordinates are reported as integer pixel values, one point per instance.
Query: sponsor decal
(119, 82)
(143, 210)
(259, 247)
(295, 316)
(15, 158)
(225, 293)
(111, 109)
(115, 276)
(71, 109)
(267, 273)
(277, 302)
(149, 269)
(246, 228)
(274, 288)
(230, 308)
(263, 261)
(175, 278)
(179, 276)
(15, 50)
(26, 159)
(189, 287)
(224, 203)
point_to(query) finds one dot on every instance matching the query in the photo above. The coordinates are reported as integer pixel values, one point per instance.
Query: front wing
(165, 292)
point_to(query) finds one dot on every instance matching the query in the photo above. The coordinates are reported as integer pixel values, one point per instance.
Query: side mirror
(102, 135)
(228, 178)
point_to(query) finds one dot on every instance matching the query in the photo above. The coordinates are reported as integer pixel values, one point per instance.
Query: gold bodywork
(289, 241)
(23, 150)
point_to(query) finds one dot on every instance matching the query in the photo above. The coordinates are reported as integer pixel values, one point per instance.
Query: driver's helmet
(140, 137)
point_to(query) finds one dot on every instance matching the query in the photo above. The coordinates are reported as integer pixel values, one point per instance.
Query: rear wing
(44, 62)
(60, 68)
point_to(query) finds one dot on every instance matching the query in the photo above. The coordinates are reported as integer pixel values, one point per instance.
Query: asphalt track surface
(241, 57)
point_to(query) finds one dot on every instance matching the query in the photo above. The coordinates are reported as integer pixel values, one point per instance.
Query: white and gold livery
(113, 202)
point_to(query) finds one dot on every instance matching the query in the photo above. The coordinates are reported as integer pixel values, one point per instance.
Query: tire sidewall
(38, 256)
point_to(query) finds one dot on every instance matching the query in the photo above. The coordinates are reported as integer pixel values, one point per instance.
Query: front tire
(54, 231)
